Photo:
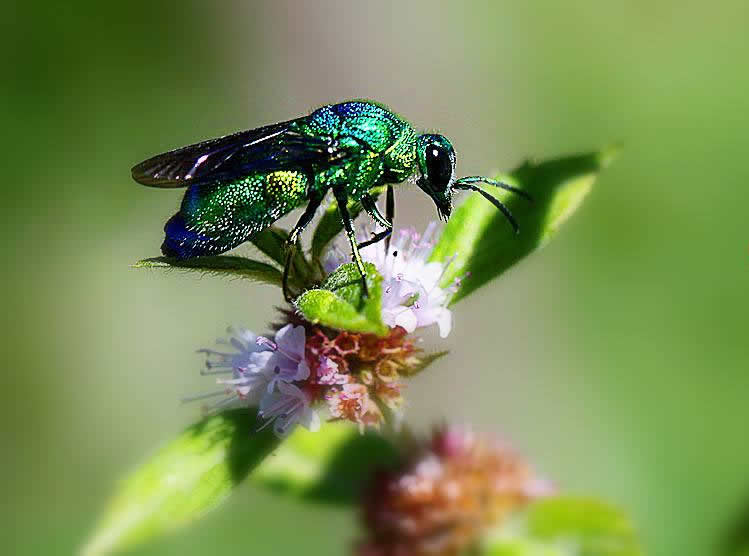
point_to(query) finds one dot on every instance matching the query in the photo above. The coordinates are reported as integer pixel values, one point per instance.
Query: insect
(238, 185)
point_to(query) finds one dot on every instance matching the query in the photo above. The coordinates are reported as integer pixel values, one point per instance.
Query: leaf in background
(240, 267)
(182, 481)
(481, 239)
(565, 526)
(736, 538)
(339, 304)
(331, 465)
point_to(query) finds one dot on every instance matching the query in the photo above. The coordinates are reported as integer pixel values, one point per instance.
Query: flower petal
(303, 371)
(290, 340)
(403, 317)
(310, 420)
(444, 322)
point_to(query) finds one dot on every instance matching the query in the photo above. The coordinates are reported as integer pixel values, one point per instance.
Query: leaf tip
(152, 262)
(609, 154)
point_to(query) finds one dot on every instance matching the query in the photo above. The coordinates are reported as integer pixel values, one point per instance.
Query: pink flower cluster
(445, 495)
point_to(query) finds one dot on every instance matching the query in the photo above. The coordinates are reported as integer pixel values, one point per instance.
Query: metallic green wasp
(238, 185)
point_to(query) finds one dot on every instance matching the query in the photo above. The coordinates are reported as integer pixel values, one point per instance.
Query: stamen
(264, 425)
(444, 269)
(204, 396)
(215, 353)
(238, 345)
(263, 341)
(222, 372)
(275, 347)
(221, 403)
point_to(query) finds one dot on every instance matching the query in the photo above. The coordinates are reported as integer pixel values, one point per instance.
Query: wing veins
(272, 147)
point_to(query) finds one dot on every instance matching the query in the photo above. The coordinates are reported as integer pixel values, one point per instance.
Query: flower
(247, 367)
(287, 362)
(357, 375)
(241, 339)
(444, 496)
(327, 372)
(286, 407)
(350, 402)
(411, 293)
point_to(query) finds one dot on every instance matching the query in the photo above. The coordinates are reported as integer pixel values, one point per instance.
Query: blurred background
(615, 359)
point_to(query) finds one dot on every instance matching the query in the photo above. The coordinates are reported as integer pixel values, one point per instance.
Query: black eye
(439, 166)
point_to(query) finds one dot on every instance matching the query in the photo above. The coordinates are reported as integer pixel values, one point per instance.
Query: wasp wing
(273, 147)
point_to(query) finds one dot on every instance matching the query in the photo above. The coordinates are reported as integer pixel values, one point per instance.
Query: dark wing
(273, 147)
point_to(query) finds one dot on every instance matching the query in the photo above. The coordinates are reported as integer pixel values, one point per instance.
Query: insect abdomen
(217, 217)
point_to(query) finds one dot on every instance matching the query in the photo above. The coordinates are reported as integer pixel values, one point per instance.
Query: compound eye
(439, 166)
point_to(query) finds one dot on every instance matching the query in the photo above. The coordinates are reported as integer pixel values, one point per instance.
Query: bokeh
(615, 359)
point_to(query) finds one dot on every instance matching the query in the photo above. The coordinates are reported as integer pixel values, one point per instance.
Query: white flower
(241, 339)
(286, 362)
(411, 294)
(286, 407)
(262, 374)
(247, 366)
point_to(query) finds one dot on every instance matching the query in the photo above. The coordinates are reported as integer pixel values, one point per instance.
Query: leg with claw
(341, 198)
(389, 213)
(369, 205)
(293, 239)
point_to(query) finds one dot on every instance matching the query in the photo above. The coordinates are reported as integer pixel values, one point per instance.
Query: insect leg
(341, 198)
(369, 204)
(291, 242)
(389, 212)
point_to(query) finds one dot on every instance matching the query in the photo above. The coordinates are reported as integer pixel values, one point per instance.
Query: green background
(615, 359)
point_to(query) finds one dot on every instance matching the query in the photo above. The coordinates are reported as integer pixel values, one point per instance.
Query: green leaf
(219, 266)
(339, 303)
(565, 526)
(182, 481)
(330, 224)
(735, 541)
(332, 465)
(272, 243)
(424, 362)
(479, 237)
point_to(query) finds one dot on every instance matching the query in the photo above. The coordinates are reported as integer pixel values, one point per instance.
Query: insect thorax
(387, 144)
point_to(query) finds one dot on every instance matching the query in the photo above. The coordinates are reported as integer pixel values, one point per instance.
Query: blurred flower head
(446, 495)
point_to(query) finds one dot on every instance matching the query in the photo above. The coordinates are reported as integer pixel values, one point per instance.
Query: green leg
(293, 239)
(341, 198)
